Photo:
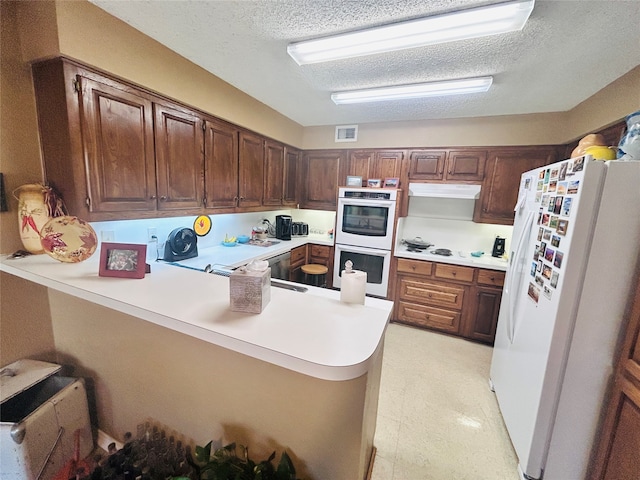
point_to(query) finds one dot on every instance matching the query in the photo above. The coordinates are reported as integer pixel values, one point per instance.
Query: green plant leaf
(286, 470)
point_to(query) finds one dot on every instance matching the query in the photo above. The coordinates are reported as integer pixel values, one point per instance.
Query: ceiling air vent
(347, 133)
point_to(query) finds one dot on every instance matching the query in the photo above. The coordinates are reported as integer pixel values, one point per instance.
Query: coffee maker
(283, 227)
(498, 247)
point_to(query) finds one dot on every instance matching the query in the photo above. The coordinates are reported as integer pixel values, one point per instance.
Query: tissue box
(250, 291)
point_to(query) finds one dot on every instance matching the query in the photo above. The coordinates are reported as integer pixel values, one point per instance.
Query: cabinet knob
(454, 273)
(163, 198)
(152, 197)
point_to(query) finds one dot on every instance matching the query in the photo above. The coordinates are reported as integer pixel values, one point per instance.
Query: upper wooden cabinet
(374, 164)
(251, 169)
(273, 173)
(221, 164)
(502, 180)
(292, 179)
(447, 165)
(97, 142)
(280, 174)
(322, 172)
(179, 157)
(117, 141)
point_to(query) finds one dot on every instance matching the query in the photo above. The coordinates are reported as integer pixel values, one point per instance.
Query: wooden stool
(318, 274)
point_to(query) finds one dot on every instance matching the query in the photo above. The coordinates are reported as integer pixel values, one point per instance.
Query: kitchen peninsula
(302, 376)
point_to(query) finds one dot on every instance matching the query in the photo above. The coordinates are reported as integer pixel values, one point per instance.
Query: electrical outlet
(107, 235)
(152, 235)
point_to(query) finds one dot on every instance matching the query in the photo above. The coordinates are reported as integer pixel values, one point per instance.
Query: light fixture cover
(471, 23)
(417, 90)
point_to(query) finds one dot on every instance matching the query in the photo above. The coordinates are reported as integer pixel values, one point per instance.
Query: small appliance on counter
(498, 247)
(284, 225)
(299, 229)
(181, 245)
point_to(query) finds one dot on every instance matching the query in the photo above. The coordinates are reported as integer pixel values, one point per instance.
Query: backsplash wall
(447, 223)
(233, 224)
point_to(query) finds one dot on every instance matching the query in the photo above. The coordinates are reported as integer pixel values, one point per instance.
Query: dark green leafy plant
(225, 464)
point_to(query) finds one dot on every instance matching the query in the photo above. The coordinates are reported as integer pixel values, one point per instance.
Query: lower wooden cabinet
(311, 253)
(323, 255)
(459, 300)
(618, 442)
(298, 259)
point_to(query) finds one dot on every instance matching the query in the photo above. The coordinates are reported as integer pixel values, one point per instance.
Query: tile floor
(437, 418)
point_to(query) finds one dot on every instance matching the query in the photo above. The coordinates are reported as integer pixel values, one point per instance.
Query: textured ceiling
(567, 51)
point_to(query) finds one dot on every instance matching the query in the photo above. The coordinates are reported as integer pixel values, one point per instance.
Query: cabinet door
(117, 136)
(298, 259)
(291, 177)
(465, 165)
(426, 164)
(483, 318)
(273, 173)
(386, 164)
(179, 158)
(502, 180)
(251, 169)
(221, 164)
(359, 163)
(618, 442)
(322, 175)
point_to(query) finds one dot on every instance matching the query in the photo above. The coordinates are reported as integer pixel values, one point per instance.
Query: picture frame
(391, 182)
(123, 260)
(354, 181)
(374, 183)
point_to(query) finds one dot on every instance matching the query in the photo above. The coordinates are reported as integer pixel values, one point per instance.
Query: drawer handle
(454, 273)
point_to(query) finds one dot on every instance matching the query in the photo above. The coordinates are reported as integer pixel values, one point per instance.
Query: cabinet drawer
(491, 277)
(432, 294)
(321, 251)
(298, 255)
(414, 266)
(437, 318)
(454, 272)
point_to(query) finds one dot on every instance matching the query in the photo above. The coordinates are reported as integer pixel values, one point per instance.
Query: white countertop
(458, 258)
(223, 257)
(312, 333)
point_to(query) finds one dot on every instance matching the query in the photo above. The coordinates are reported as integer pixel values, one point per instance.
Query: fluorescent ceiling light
(472, 23)
(418, 90)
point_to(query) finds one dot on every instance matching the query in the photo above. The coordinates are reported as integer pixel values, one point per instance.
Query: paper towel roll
(353, 286)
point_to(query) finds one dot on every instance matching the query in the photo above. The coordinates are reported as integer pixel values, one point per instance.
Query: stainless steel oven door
(365, 222)
(373, 261)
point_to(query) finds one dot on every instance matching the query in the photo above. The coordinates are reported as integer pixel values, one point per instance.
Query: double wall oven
(364, 234)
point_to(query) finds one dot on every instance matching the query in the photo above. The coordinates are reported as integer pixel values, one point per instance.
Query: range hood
(444, 190)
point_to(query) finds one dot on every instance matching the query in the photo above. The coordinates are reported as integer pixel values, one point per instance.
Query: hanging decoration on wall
(37, 204)
(202, 225)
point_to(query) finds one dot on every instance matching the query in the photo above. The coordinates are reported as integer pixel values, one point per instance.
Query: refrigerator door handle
(513, 296)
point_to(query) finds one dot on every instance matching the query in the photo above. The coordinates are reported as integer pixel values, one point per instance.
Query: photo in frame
(391, 182)
(354, 181)
(374, 182)
(123, 260)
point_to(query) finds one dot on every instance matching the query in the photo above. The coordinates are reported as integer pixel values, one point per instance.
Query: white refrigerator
(573, 261)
